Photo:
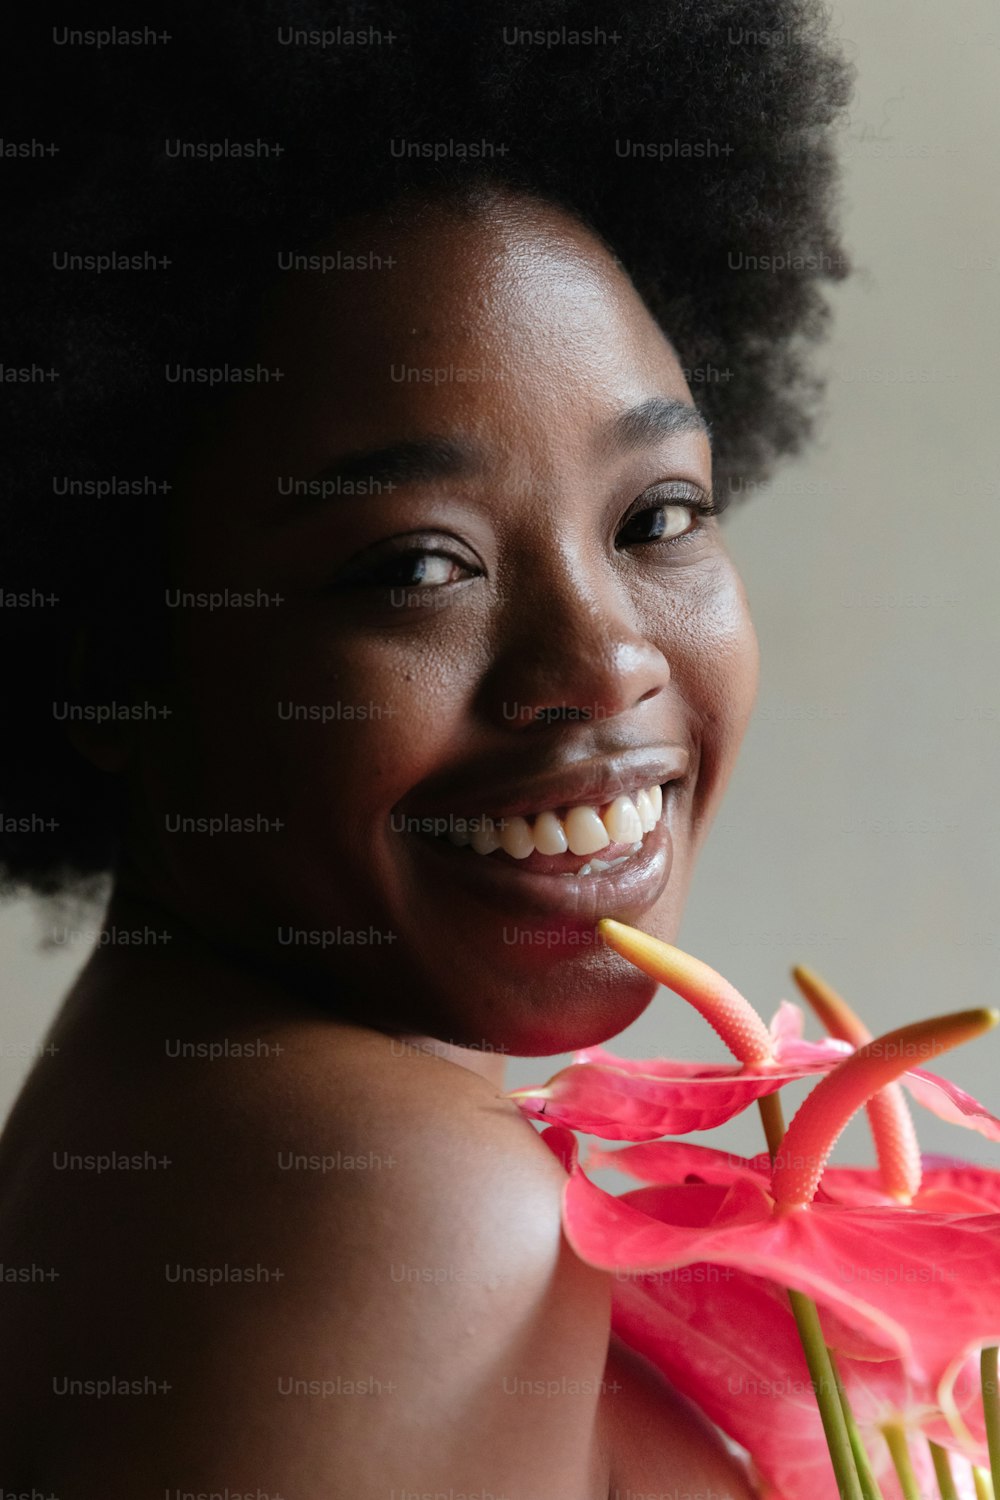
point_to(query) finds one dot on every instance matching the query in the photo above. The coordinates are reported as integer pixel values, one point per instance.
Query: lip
(623, 892)
(592, 782)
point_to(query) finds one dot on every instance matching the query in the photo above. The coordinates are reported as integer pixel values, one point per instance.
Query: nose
(571, 648)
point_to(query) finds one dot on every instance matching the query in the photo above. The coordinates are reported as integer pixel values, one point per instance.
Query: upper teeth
(583, 830)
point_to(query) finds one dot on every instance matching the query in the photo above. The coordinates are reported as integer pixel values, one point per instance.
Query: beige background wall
(860, 832)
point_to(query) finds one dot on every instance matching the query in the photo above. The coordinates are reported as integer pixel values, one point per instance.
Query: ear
(103, 739)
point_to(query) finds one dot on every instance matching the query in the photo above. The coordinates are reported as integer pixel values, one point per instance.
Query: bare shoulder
(428, 1155)
(346, 1119)
(350, 1276)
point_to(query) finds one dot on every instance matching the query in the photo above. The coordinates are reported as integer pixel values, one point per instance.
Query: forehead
(491, 318)
(508, 263)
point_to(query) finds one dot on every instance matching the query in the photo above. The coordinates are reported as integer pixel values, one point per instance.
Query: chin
(567, 1009)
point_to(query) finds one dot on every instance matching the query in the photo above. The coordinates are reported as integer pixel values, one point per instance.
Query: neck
(187, 963)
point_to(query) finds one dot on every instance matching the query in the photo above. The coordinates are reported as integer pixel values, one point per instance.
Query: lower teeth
(594, 866)
(598, 866)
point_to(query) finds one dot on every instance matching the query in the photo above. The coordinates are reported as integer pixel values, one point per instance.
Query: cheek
(714, 660)
(322, 735)
(386, 717)
(334, 727)
(727, 652)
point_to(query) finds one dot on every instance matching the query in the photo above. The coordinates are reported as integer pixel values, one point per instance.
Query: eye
(418, 568)
(666, 516)
(658, 523)
(409, 566)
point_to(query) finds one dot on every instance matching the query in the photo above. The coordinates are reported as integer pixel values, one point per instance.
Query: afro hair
(695, 137)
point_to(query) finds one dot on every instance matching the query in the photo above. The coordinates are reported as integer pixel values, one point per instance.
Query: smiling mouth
(574, 841)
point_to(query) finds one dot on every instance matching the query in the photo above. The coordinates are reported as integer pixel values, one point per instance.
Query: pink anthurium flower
(727, 1339)
(949, 1187)
(866, 1265)
(627, 1100)
(732, 1346)
(705, 1253)
(622, 1099)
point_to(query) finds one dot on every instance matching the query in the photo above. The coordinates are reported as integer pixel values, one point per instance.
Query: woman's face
(502, 601)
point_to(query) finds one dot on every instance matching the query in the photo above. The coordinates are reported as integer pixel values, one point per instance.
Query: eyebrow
(421, 460)
(376, 471)
(659, 417)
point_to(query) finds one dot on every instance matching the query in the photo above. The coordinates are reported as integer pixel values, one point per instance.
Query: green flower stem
(824, 1380)
(895, 1436)
(991, 1410)
(825, 1385)
(942, 1471)
(869, 1484)
(984, 1488)
(773, 1120)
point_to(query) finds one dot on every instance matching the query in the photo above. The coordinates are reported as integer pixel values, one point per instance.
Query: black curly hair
(685, 133)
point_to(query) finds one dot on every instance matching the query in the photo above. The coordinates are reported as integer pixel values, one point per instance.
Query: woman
(400, 646)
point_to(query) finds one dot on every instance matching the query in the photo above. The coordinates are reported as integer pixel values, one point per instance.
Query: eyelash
(698, 501)
(695, 499)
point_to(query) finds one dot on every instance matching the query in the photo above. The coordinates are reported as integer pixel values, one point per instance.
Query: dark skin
(548, 596)
(648, 644)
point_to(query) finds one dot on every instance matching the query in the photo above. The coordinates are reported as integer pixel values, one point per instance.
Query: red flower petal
(917, 1284)
(949, 1102)
(631, 1106)
(627, 1099)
